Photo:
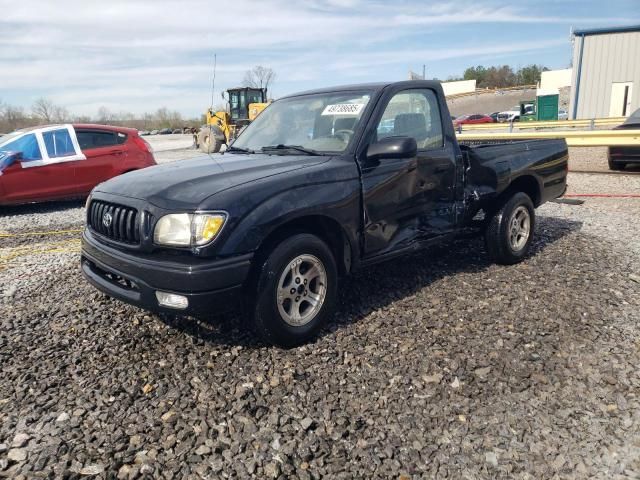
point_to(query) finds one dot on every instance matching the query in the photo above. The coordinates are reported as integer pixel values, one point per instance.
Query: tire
(274, 311)
(209, 146)
(504, 236)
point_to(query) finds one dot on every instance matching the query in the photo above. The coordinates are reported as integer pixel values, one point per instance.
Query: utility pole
(424, 71)
(213, 81)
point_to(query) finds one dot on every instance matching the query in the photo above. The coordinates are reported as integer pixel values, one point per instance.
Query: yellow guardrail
(590, 123)
(593, 138)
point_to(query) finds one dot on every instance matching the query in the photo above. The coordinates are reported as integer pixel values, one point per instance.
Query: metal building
(606, 72)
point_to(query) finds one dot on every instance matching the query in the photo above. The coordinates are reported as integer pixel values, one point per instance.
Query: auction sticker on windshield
(343, 109)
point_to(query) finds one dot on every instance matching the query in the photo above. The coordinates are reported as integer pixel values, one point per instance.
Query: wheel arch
(324, 227)
(528, 184)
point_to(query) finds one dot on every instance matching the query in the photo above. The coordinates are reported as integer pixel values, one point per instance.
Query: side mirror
(393, 147)
(8, 158)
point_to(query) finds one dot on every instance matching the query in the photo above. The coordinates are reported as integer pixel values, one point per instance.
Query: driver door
(407, 200)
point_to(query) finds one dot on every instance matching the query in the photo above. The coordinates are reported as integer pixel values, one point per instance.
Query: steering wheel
(344, 135)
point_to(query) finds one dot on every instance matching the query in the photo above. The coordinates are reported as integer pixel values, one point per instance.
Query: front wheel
(296, 291)
(510, 230)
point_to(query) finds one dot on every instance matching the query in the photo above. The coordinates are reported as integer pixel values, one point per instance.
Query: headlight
(188, 229)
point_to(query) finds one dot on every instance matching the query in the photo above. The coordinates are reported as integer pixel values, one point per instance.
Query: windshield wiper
(297, 148)
(239, 150)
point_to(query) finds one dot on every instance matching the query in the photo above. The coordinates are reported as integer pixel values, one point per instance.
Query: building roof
(605, 30)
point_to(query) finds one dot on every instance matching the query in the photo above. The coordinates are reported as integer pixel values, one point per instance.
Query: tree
(530, 74)
(13, 118)
(504, 76)
(259, 77)
(44, 109)
(105, 116)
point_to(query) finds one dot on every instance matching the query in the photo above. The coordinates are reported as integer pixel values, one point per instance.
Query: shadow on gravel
(377, 287)
(46, 207)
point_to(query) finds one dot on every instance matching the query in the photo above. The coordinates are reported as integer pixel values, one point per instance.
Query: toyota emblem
(107, 218)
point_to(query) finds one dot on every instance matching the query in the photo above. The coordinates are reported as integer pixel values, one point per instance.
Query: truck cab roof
(375, 87)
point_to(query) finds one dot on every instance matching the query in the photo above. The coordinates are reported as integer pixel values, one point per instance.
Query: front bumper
(210, 285)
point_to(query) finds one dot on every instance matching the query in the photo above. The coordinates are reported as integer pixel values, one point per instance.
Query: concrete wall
(555, 79)
(462, 86)
(606, 58)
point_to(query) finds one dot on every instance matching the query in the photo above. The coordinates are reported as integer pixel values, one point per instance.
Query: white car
(508, 115)
(563, 114)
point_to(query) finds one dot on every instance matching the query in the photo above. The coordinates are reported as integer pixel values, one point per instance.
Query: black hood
(186, 184)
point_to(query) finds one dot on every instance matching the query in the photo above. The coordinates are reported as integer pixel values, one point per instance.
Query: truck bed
(493, 166)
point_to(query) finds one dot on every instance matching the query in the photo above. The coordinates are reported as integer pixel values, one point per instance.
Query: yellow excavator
(244, 105)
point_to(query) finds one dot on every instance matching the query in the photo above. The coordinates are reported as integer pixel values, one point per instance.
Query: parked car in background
(165, 131)
(153, 132)
(563, 114)
(58, 162)
(494, 116)
(509, 115)
(472, 119)
(620, 157)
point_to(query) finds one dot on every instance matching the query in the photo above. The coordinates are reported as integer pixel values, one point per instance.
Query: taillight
(143, 144)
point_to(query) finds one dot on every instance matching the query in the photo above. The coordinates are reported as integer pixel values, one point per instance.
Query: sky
(140, 55)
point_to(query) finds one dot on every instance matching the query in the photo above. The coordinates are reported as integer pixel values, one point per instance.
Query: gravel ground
(437, 365)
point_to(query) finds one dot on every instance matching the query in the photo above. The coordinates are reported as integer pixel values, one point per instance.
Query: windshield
(27, 144)
(4, 139)
(323, 123)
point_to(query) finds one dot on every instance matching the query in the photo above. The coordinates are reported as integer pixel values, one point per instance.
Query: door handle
(116, 152)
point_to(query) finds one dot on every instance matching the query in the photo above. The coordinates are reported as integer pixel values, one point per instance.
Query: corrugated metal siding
(606, 59)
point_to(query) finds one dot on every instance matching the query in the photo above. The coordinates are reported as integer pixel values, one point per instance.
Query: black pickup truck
(322, 183)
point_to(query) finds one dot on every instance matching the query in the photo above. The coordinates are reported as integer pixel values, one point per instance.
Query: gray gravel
(437, 365)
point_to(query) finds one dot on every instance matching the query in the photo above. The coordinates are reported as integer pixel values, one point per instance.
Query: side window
(413, 113)
(58, 143)
(89, 139)
(27, 144)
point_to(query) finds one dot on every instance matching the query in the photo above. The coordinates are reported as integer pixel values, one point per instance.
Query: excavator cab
(239, 101)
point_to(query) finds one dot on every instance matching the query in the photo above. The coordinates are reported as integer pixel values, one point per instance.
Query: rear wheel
(296, 291)
(510, 230)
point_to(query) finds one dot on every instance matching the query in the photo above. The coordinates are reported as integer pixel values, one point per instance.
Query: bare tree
(44, 109)
(13, 118)
(259, 77)
(105, 116)
(60, 114)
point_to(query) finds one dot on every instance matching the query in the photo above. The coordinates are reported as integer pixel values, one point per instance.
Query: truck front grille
(114, 221)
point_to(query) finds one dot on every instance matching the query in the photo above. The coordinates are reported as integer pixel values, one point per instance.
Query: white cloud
(141, 54)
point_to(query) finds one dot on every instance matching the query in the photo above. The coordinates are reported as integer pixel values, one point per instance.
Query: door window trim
(46, 159)
(379, 116)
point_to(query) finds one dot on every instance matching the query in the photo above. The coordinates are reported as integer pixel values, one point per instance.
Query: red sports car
(66, 161)
(471, 119)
